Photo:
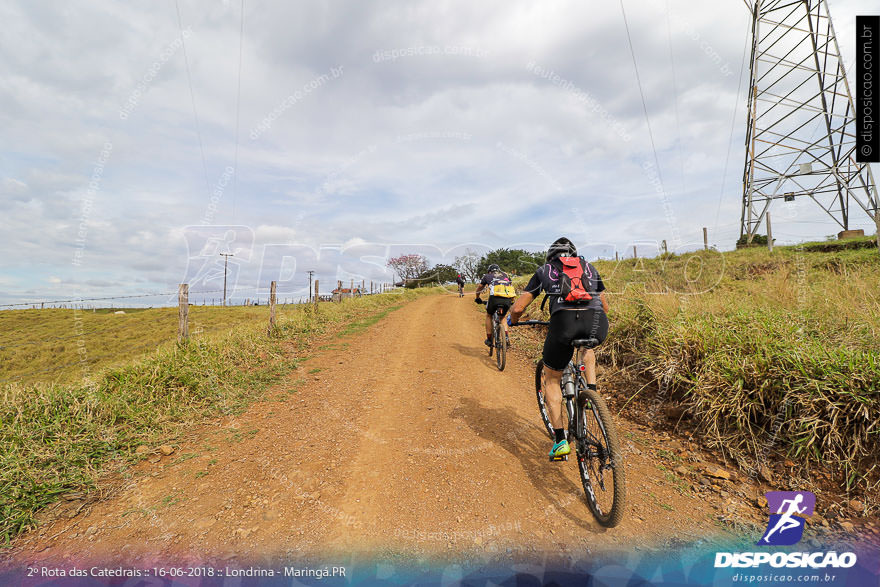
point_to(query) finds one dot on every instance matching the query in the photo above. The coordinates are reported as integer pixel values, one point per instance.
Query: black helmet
(561, 247)
(494, 268)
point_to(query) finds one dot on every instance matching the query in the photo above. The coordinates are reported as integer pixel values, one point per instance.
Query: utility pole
(310, 283)
(225, 263)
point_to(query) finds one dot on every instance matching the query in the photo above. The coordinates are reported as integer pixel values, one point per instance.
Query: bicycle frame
(578, 383)
(596, 446)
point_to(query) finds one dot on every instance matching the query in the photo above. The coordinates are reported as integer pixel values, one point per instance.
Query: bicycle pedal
(562, 458)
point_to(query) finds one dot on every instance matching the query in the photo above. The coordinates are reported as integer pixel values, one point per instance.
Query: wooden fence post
(316, 295)
(616, 256)
(705, 238)
(635, 254)
(769, 234)
(665, 250)
(183, 313)
(272, 299)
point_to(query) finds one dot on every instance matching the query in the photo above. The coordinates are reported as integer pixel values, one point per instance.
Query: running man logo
(788, 510)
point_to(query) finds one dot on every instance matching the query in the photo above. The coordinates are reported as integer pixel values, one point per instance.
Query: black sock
(591, 386)
(560, 434)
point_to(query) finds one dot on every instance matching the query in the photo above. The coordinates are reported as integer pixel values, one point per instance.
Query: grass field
(61, 437)
(64, 345)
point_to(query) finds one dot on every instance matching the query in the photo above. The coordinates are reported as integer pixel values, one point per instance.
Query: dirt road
(403, 438)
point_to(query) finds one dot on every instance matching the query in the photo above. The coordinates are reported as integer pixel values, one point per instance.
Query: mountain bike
(590, 426)
(499, 339)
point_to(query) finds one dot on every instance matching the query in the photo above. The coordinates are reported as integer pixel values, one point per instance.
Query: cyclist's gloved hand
(478, 300)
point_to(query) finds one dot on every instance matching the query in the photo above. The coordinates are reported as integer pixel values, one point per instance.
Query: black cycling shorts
(496, 302)
(567, 325)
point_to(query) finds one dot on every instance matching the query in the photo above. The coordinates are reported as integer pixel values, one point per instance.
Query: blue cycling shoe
(560, 449)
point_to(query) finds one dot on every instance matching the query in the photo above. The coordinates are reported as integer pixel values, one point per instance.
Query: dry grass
(63, 346)
(781, 356)
(772, 354)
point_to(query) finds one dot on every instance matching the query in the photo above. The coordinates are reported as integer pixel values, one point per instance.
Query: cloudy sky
(140, 140)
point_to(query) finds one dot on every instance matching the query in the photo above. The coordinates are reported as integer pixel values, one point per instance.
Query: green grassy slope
(769, 352)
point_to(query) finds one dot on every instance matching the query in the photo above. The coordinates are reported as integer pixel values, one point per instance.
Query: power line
(641, 93)
(742, 68)
(192, 97)
(675, 100)
(237, 112)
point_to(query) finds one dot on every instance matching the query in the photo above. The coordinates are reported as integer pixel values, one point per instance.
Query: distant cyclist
(460, 281)
(501, 294)
(577, 310)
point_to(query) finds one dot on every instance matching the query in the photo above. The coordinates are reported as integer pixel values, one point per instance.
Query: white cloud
(402, 150)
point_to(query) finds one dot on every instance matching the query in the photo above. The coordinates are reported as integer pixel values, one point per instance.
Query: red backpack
(573, 280)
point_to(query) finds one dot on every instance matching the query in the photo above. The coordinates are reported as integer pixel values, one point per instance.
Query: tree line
(414, 270)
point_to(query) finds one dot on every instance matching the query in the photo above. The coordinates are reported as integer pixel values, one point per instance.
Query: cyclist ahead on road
(577, 310)
(501, 294)
(460, 281)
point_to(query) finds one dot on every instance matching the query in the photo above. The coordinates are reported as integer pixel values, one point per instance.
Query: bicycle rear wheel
(542, 403)
(492, 338)
(500, 347)
(599, 460)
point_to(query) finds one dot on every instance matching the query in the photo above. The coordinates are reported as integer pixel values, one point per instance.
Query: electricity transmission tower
(801, 135)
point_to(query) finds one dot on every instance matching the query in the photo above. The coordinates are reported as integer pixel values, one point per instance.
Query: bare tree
(408, 266)
(468, 264)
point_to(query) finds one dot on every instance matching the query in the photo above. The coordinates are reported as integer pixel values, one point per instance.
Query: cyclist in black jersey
(568, 320)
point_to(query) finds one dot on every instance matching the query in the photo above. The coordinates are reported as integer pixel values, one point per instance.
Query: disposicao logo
(786, 525)
(788, 513)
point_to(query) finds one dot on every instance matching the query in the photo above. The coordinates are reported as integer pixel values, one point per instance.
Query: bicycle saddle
(585, 343)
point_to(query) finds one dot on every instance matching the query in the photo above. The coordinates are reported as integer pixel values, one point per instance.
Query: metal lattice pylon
(801, 138)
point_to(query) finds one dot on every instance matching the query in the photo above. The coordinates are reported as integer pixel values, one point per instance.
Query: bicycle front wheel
(599, 460)
(542, 400)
